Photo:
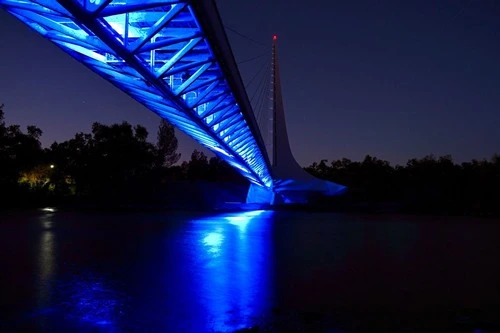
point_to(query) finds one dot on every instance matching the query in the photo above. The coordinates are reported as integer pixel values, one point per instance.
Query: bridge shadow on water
(252, 271)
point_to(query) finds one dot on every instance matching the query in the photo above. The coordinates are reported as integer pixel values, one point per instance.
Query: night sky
(393, 79)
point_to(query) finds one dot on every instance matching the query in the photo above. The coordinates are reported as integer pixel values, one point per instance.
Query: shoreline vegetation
(115, 167)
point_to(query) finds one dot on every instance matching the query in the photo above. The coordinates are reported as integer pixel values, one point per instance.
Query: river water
(271, 271)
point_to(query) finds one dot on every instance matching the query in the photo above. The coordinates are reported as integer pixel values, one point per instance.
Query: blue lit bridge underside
(162, 54)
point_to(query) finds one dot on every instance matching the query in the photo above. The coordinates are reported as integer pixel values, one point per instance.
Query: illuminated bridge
(174, 57)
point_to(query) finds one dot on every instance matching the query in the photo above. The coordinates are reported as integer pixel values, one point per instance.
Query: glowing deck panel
(157, 52)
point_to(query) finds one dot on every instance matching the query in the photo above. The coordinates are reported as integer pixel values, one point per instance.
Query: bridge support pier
(259, 195)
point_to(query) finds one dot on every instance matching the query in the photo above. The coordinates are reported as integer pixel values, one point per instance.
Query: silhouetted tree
(2, 117)
(19, 152)
(117, 163)
(73, 164)
(110, 162)
(197, 168)
(219, 170)
(167, 144)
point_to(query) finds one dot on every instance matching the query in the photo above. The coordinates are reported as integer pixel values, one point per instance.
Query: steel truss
(157, 52)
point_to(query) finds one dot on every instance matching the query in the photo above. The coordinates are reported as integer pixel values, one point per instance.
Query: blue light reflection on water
(92, 304)
(213, 241)
(234, 253)
(170, 272)
(71, 301)
(46, 266)
(212, 273)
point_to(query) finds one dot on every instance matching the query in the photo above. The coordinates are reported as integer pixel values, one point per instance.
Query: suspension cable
(244, 36)
(255, 76)
(253, 58)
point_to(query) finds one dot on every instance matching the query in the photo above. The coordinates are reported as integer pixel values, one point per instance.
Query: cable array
(260, 101)
(258, 86)
(245, 36)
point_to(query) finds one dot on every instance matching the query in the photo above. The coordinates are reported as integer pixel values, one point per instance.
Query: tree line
(111, 164)
(117, 164)
(429, 185)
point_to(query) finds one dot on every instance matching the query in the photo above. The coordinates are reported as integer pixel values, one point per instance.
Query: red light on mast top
(275, 37)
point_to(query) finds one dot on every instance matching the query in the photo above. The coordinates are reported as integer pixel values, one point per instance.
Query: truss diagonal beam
(165, 55)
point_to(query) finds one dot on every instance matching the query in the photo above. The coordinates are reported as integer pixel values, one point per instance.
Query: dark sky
(394, 79)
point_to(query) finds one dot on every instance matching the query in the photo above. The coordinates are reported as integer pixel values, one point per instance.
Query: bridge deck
(165, 54)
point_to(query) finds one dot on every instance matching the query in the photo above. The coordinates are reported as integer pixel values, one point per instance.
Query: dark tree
(2, 120)
(220, 171)
(34, 132)
(141, 133)
(111, 163)
(120, 155)
(167, 144)
(20, 153)
(73, 164)
(2, 131)
(198, 166)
